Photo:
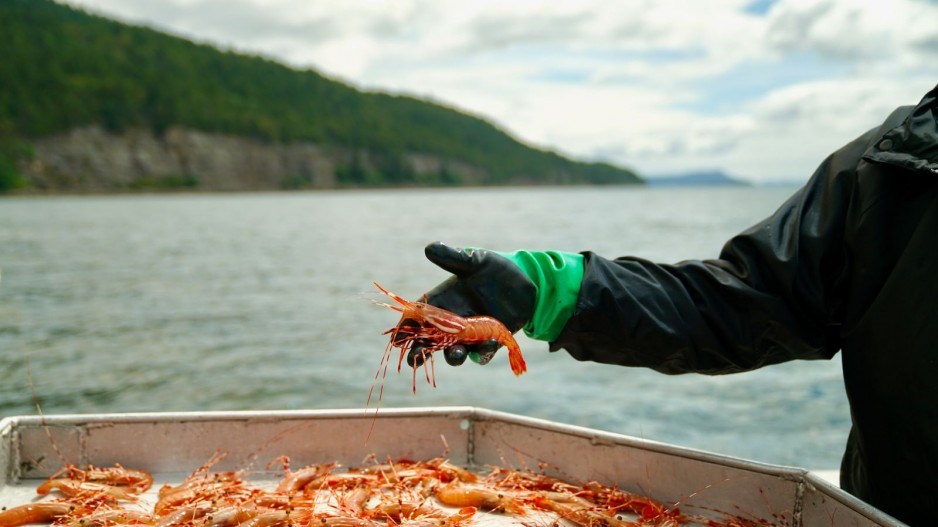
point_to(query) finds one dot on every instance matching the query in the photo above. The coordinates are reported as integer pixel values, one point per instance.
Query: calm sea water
(263, 301)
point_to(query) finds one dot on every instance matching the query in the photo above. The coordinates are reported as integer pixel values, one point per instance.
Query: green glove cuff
(557, 277)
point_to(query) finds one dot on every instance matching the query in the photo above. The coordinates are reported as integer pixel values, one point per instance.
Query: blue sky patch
(749, 81)
(759, 7)
(534, 52)
(561, 76)
(568, 70)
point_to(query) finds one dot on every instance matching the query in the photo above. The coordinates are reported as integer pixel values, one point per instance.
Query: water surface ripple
(263, 301)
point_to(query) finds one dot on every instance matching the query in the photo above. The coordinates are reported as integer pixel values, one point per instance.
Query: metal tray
(171, 445)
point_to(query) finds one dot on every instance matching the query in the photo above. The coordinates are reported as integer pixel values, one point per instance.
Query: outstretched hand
(483, 283)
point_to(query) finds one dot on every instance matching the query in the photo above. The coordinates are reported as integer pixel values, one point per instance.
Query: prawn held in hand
(435, 329)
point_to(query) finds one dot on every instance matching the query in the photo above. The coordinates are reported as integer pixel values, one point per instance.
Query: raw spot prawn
(399, 493)
(435, 329)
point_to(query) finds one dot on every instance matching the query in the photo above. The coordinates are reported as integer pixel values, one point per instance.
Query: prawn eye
(417, 356)
(455, 355)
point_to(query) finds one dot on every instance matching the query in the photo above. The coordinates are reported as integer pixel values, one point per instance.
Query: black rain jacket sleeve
(775, 294)
(850, 264)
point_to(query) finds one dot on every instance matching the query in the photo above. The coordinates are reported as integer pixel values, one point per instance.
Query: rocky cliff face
(92, 159)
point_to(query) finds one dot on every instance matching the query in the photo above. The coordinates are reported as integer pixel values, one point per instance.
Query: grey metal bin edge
(175, 443)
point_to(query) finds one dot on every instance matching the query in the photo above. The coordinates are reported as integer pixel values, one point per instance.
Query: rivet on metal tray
(464, 424)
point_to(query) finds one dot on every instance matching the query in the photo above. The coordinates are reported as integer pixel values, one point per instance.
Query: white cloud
(851, 29)
(659, 85)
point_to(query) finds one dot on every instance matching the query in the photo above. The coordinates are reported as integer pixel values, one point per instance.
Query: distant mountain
(700, 178)
(82, 95)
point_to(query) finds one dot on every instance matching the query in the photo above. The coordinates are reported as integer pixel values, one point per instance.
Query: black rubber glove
(483, 283)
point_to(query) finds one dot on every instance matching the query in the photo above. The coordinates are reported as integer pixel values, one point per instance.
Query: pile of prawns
(403, 493)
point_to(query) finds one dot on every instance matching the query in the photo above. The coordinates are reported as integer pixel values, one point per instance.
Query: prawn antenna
(42, 417)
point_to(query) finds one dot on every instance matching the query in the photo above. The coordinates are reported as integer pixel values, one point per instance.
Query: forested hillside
(64, 69)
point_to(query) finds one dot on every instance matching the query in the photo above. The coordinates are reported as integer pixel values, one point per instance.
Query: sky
(763, 90)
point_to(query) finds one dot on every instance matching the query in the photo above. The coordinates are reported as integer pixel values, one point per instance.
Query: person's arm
(775, 293)
(772, 296)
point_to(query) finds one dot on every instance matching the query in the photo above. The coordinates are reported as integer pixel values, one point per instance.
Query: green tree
(64, 68)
